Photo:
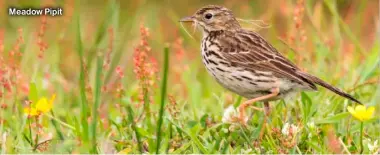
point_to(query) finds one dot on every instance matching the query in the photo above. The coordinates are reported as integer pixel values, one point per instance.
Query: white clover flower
(371, 147)
(294, 129)
(287, 129)
(230, 115)
(248, 151)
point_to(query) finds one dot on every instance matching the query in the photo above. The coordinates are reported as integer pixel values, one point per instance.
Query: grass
(163, 97)
(117, 92)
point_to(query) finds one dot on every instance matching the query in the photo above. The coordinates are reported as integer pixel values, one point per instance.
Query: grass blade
(332, 8)
(57, 129)
(102, 29)
(84, 107)
(98, 84)
(333, 119)
(131, 119)
(163, 97)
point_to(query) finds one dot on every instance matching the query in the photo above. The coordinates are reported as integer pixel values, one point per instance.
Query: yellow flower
(42, 106)
(125, 151)
(361, 112)
(31, 111)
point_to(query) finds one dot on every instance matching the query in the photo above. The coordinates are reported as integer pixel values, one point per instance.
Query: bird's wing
(249, 50)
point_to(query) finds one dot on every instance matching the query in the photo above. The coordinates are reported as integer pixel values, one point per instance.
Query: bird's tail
(322, 83)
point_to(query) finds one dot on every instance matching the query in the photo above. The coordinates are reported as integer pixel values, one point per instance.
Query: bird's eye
(208, 16)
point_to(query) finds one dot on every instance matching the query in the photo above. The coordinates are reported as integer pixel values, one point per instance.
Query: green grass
(179, 108)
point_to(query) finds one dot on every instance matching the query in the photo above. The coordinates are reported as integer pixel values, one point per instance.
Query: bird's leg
(266, 108)
(247, 103)
(267, 113)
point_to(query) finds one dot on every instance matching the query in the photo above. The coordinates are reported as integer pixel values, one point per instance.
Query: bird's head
(213, 18)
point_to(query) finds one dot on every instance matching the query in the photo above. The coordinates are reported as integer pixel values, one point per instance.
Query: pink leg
(267, 113)
(247, 103)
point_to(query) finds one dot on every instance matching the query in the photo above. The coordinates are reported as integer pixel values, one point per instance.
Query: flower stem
(132, 120)
(36, 140)
(61, 122)
(361, 138)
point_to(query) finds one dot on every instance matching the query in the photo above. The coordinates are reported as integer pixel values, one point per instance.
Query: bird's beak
(187, 19)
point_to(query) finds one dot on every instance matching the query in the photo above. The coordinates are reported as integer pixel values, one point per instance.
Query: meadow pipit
(245, 63)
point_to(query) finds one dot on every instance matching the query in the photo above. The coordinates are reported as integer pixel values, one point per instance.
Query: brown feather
(332, 88)
(260, 56)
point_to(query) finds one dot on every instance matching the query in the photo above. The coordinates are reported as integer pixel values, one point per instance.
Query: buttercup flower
(361, 113)
(31, 111)
(42, 106)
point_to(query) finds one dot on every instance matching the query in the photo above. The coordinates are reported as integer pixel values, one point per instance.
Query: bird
(243, 62)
